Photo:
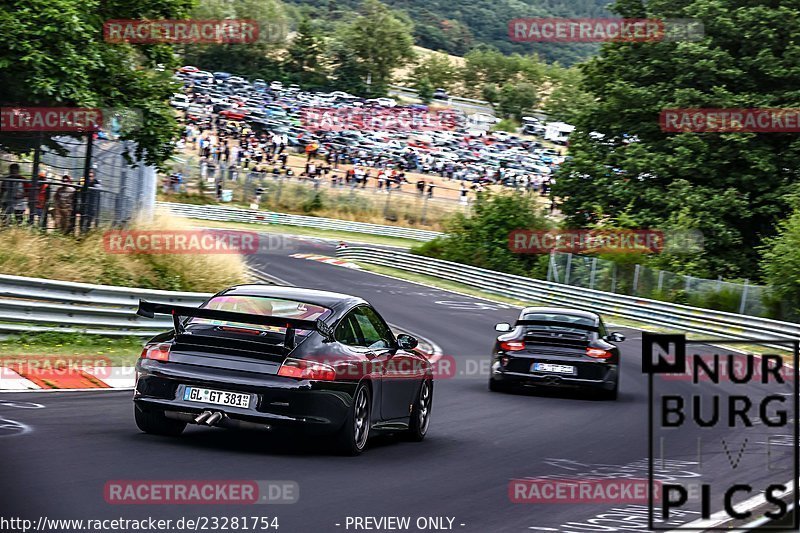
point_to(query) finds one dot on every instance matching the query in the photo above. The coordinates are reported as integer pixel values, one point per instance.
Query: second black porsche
(264, 357)
(556, 347)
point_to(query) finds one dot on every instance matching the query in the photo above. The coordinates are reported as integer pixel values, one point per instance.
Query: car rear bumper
(275, 402)
(607, 377)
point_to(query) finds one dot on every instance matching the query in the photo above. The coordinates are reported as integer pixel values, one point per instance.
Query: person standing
(8, 190)
(20, 204)
(90, 208)
(275, 143)
(39, 197)
(309, 151)
(63, 200)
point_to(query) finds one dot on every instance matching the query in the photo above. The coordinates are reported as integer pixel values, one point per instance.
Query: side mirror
(615, 337)
(407, 342)
(502, 327)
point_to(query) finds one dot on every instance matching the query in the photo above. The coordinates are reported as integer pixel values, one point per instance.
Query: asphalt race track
(57, 457)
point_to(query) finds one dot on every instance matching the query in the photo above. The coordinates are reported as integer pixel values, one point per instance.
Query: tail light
(302, 369)
(157, 352)
(512, 346)
(598, 353)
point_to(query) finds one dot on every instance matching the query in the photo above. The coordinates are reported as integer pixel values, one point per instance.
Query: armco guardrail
(35, 305)
(38, 305)
(250, 216)
(672, 316)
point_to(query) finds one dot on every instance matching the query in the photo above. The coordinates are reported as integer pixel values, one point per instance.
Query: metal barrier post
(33, 197)
(568, 269)
(555, 267)
(84, 194)
(744, 297)
(614, 278)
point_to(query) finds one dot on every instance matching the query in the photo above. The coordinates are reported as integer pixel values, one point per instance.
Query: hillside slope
(456, 26)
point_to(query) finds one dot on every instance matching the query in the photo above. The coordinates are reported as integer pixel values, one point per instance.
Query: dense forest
(457, 26)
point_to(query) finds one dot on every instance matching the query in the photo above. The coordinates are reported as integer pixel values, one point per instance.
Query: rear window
(558, 322)
(258, 305)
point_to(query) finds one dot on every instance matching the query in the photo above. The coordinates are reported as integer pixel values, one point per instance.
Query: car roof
(561, 311)
(331, 300)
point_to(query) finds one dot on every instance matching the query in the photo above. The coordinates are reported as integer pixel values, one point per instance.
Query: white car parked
(179, 101)
(483, 118)
(383, 102)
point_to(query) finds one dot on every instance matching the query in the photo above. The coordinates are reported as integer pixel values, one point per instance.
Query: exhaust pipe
(202, 417)
(213, 419)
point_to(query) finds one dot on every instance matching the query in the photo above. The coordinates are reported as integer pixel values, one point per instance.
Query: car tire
(421, 412)
(498, 386)
(155, 423)
(353, 436)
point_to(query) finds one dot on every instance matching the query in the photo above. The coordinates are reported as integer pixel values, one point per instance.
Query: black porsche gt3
(556, 347)
(265, 357)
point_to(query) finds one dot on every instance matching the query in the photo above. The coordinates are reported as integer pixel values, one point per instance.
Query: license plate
(549, 367)
(231, 399)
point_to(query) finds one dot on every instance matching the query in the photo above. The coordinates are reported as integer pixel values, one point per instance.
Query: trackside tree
(731, 186)
(54, 55)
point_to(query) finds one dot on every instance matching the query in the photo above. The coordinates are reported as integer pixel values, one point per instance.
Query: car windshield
(261, 306)
(557, 322)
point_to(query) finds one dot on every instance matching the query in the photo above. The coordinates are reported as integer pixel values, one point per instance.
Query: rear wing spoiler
(150, 309)
(554, 323)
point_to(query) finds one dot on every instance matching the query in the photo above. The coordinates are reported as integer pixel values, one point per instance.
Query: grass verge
(346, 236)
(120, 351)
(31, 252)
